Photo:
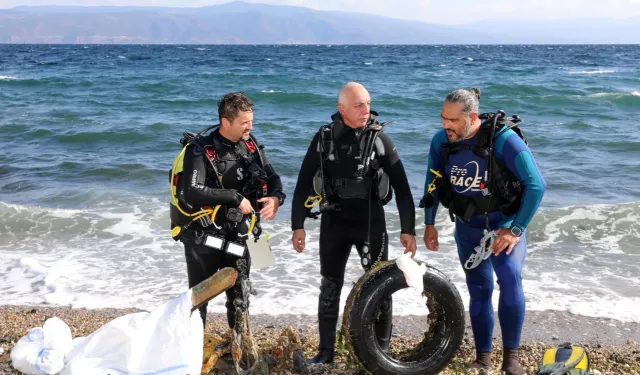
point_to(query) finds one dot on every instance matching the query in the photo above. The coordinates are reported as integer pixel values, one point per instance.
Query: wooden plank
(212, 287)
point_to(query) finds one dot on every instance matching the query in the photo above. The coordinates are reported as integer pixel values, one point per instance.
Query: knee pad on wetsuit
(510, 281)
(329, 295)
(480, 294)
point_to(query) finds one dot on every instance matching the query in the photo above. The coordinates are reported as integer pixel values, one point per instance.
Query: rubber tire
(436, 349)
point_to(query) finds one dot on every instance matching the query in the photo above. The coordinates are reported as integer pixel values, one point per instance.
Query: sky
(431, 11)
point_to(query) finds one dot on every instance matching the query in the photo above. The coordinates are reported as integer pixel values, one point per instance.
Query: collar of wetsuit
(224, 141)
(340, 129)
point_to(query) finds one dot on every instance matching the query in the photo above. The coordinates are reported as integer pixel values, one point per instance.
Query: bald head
(347, 90)
(354, 104)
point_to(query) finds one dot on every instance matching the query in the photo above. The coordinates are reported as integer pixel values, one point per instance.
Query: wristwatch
(280, 195)
(516, 231)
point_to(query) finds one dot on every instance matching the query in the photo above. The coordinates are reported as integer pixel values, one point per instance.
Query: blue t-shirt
(466, 171)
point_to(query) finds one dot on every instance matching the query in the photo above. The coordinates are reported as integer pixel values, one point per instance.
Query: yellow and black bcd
(565, 359)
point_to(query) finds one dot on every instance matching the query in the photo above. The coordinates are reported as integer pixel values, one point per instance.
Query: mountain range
(240, 22)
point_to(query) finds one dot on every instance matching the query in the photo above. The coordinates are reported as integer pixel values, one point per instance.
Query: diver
(223, 185)
(351, 169)
(480, 168)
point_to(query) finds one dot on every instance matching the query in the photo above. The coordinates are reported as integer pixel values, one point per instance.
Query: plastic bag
(42, 350)
(413, 272)
(167, 341)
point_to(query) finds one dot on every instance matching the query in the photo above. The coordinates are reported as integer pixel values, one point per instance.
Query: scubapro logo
(240, 173)
(194, 178)
(462, 180)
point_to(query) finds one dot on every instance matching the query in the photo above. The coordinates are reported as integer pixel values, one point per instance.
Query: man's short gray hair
(470, 99)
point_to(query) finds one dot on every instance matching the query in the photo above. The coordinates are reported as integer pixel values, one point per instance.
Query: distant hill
(249, 23)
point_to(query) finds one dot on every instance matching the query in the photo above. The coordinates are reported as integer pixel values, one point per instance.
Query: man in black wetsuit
(225, 187)
(352, 186)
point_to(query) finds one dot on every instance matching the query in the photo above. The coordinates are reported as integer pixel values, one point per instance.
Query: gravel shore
(614, 347)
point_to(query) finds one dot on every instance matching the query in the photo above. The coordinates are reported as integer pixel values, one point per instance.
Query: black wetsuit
(200, 188)
(356, 220)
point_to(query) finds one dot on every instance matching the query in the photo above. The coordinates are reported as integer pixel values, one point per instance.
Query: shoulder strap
(207, 148)
(253, 146)
(481, 148)
(449, 148)
(326, 145)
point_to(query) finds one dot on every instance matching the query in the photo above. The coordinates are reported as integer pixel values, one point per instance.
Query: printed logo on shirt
(466, 178)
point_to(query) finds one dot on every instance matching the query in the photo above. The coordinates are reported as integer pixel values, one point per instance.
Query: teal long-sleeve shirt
(466, 171)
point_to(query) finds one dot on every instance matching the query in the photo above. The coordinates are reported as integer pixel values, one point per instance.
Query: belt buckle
(199, 236)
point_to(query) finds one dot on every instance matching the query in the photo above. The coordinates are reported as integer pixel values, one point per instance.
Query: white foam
(129, 224)
(602, 71)
(613, 94)
(126, 258)
(368, 63)
(553, 230)
(6, 78)
(271, 91)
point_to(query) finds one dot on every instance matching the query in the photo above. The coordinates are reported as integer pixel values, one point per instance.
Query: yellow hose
(202, 213)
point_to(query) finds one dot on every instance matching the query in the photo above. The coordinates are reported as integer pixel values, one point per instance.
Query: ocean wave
(613, 94)
(85, 137)
(96, 244)
(602, 71)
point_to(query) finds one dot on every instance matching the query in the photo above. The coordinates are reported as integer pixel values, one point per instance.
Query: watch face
(516, 231)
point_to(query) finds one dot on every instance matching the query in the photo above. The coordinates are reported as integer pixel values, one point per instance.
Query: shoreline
(614, 347)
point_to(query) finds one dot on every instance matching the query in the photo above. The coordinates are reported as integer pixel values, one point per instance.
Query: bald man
(343, 165)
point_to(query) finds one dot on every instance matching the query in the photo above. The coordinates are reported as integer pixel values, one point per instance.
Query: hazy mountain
(240, 22)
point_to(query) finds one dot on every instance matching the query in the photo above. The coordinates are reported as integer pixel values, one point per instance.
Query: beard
(454, 136)
(245, 137)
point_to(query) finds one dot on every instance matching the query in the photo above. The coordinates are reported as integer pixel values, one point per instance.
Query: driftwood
(212, 287)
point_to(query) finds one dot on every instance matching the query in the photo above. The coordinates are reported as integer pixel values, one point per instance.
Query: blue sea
(89, 132)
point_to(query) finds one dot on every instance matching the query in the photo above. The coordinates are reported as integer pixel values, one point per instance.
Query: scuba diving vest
(370, 180)
(565, 359)
(220, 219)
(501, 190)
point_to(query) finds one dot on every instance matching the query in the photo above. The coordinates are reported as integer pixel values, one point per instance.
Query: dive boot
(482, 364)
(511, 363)
(328, 310)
